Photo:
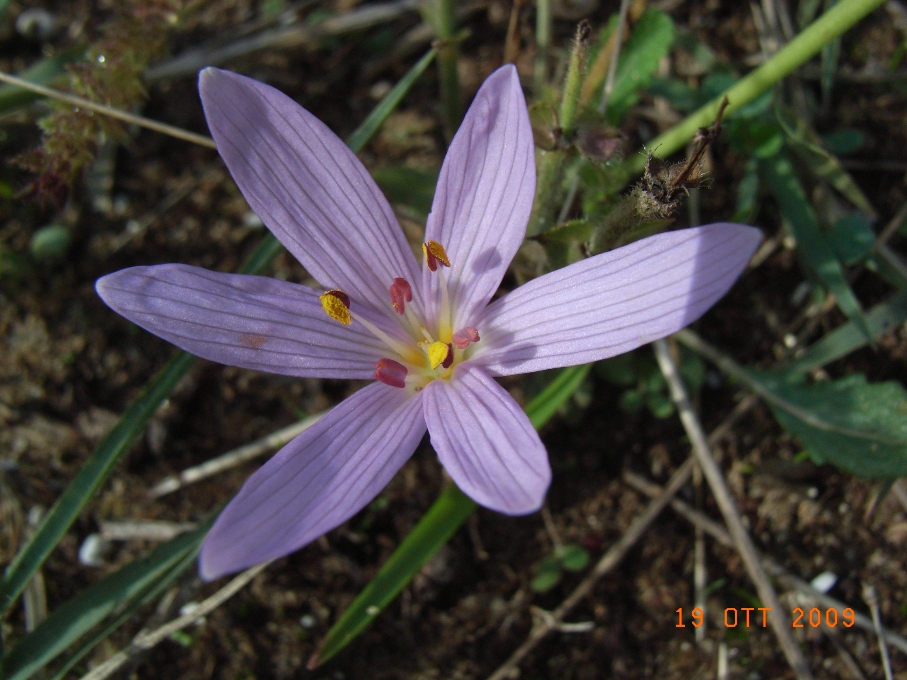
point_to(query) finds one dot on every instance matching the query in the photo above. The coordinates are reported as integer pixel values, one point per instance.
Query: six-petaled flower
(430, 336)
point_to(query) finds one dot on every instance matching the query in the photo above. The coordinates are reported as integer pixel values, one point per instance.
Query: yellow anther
(437, 353)
(434, 253)
(336, 304)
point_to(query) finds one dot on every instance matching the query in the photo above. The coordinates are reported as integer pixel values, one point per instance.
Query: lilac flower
(431, 339)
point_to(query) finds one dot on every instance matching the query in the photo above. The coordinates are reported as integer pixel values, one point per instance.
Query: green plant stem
(807, 44)
(542, 41)
(445, 23)
(573, 84)
(548, 191)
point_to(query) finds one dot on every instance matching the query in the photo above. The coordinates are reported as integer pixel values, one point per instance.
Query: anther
(401, 293)
(391, 372)
(463, 338)
(434, 253)
(336, 304)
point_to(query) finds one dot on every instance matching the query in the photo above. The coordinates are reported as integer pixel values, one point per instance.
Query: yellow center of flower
(425, 357)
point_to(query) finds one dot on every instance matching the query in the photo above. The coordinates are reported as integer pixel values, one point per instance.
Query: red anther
(463, 338)
(391, 372)
(401, 293)
(448, 360)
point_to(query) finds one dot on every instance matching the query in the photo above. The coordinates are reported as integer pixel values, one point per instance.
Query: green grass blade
(804, 141)
(99, 465)
(812, 245)
(443, 518)
(541, 409)
(84, 611)
(435, 528)
(847, 338)
(155, 589)
(391, 100)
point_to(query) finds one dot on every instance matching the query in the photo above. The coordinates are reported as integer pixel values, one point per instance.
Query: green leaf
(639, 60)
(386, 107)
(620, 370)
(831, 55)
(812, 245)
(573, 557)
(79, 614)
(748, 194)
(155, 589)
(50, 242)
(660, 405)
(679, 94)
(573, 232)
(855, 425)
(541, 409)
(435, 528)
(547, 575)
(631, 401)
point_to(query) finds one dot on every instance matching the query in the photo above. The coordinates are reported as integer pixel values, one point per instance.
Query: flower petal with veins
(320, 479)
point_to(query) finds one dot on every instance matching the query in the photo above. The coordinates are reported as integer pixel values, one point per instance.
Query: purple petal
(249, 321)
(484, 195)
(486, 442)
(306, 185)
(614, 302)
(317, 481)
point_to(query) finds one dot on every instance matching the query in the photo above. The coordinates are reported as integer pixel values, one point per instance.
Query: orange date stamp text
(757, 617)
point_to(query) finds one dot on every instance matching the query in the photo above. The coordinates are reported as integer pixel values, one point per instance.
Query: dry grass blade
(171, 130)
(872, 599)
(233, 458)
(145, 641)
(722, 494)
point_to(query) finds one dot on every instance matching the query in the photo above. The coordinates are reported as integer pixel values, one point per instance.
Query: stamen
(434, 253)
(336, 304)
(401, 293)
(391, 372)
(438, 353)
(463, 338)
